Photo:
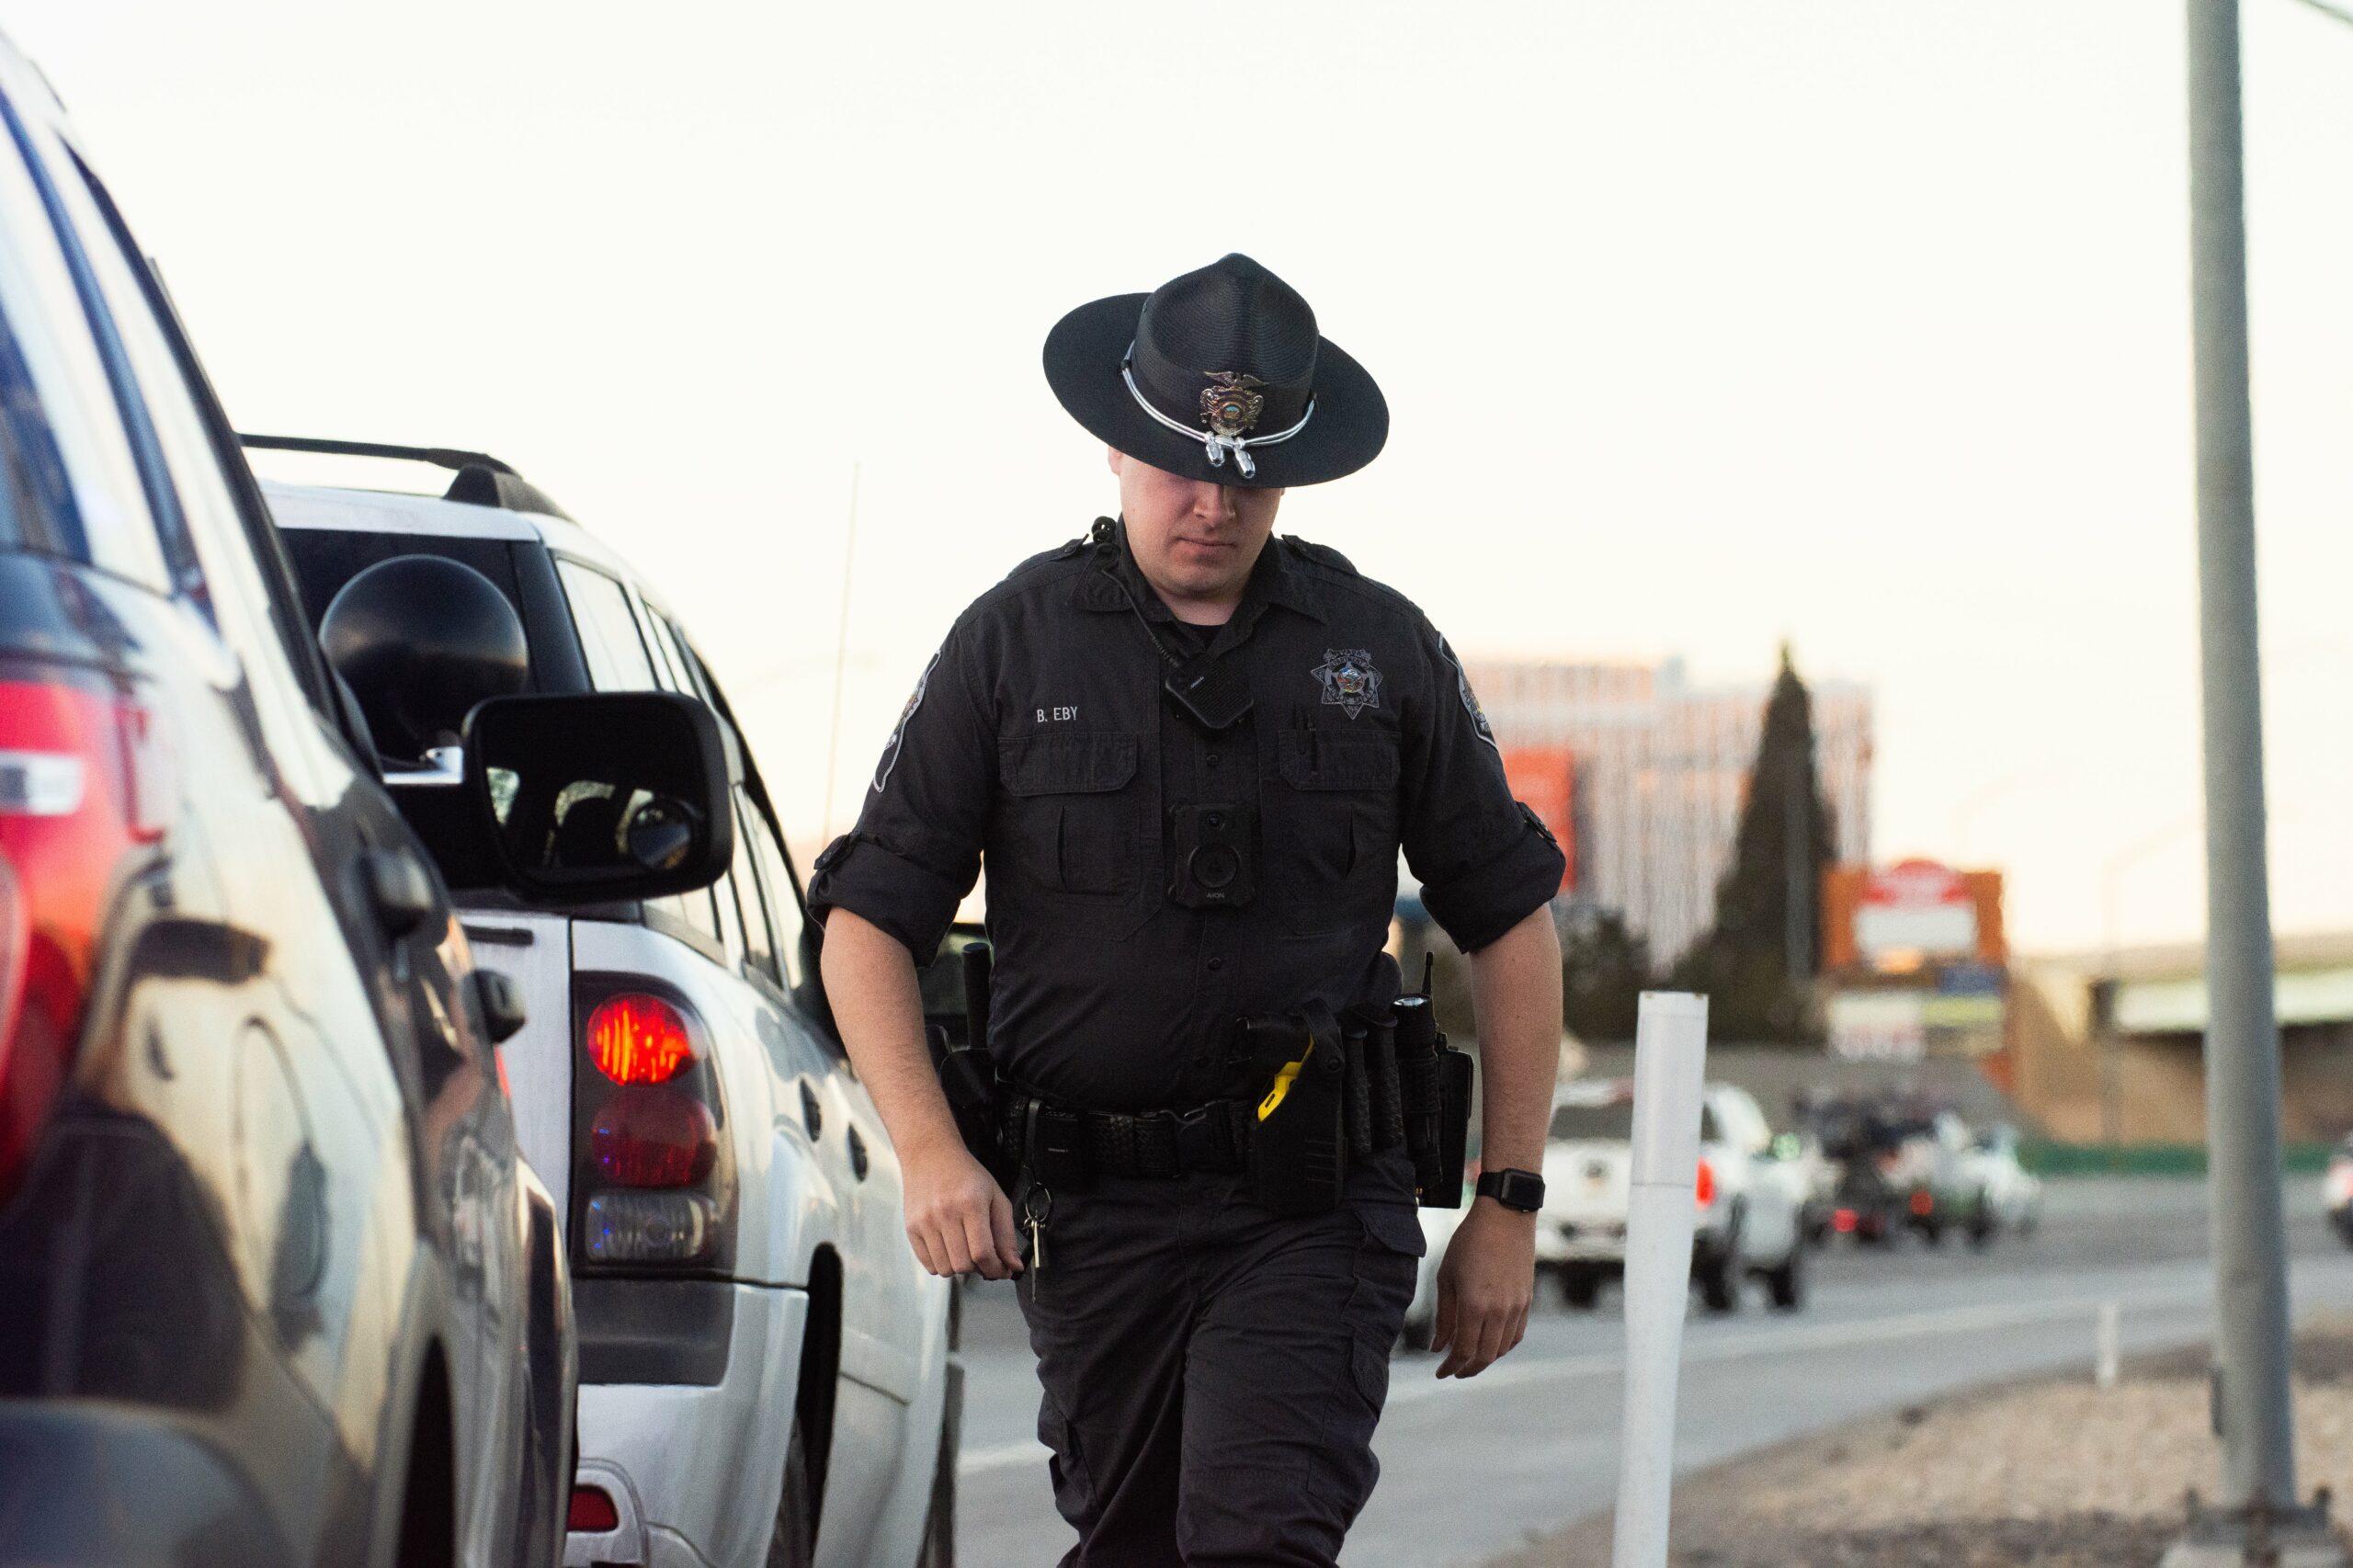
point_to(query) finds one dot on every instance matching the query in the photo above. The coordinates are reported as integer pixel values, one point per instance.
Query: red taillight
(79, 787)
(1703, 1188)
(654, 1137)
(1923, 1201)
(656, 1186)
(1843, 1221)
(639, 1039)
(592, 1511)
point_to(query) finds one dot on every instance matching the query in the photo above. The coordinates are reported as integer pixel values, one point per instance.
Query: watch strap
(1520, 1190)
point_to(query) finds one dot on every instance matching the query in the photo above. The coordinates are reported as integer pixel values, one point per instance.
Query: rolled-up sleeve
(915, 850)
(1485, 862)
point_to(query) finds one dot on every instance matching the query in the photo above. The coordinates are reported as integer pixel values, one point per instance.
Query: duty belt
(1214, 1136)
(1338, 1088)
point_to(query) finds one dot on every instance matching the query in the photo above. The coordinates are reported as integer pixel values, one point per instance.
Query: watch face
(1523, 1190)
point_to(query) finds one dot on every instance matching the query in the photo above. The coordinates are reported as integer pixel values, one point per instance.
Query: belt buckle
(1200, 1143)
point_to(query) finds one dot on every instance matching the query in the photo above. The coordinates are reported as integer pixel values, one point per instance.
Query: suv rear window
(325, 558)
(1612, 1124)
(1593, 1123)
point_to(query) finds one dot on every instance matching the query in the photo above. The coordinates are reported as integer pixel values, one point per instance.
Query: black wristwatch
(1523, 1190)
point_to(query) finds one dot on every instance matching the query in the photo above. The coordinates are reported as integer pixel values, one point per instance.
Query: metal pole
(841, 658)
(2252, 1396)
(1670, 1071)
(2111, 1102)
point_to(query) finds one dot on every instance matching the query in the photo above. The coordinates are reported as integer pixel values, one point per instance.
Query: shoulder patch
(899, 733)
(1470, 700)
(1322, 554)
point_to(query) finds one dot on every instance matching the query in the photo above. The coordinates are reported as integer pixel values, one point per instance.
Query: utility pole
(2258, 1519)
(841, 658)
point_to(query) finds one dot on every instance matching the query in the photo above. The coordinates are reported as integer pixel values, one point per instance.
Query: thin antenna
(1429, 968)
(841, 656)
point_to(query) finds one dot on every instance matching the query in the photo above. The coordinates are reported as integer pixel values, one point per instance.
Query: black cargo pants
(1213, 1374)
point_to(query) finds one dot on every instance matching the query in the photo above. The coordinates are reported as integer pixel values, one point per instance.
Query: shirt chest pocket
(1331, 829)
(1072, 814)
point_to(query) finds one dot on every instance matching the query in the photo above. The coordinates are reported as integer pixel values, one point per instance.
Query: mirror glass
(608, 793)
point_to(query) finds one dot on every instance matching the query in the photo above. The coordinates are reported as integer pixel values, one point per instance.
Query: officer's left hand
(1485, 1287)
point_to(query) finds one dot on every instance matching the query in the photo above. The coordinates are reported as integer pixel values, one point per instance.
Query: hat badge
(1229, 403)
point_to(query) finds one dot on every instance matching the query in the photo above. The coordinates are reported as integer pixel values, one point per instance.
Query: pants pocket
(1073, 1487)
(1386, 1273)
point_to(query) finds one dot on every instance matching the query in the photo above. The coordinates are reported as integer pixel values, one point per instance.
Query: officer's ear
(1118, 459)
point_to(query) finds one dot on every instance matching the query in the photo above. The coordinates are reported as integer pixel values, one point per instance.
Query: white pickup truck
(1749, 1219)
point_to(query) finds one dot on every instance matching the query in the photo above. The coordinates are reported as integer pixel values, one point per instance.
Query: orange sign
(1544, 780)
(1899, 918)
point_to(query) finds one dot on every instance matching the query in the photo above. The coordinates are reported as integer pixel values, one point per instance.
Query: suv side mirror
(610, 795)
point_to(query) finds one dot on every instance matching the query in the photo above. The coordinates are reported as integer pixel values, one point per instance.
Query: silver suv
(764, 1373)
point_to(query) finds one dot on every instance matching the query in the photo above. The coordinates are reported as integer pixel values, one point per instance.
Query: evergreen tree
(1758, 961)
(1605, 969)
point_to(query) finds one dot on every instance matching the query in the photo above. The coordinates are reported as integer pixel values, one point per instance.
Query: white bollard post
(2107, 1345)
(1670, 1069)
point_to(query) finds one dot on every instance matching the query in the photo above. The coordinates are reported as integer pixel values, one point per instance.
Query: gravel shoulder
(2047, 1473)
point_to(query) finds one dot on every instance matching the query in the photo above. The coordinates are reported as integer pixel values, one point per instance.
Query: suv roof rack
(482, 480)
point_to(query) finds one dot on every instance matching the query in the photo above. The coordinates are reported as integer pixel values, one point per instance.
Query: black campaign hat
(1218, 375)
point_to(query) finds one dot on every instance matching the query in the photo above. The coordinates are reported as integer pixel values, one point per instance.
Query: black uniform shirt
(1039, 740)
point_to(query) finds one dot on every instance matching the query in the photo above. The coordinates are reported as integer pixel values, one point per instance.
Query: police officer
(1187, 753)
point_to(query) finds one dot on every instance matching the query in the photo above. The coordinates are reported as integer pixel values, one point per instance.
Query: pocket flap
(1321, 760)
(1083, 764)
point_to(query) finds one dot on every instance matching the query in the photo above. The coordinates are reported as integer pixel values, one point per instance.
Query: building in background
(1544, 780)
(1658, 773)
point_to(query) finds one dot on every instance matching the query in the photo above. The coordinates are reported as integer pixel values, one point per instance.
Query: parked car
(765, 1372)
(2337, 1189)
(1903, 1166)
(1748, 1219)
(275, 1286)
(2008, 1195)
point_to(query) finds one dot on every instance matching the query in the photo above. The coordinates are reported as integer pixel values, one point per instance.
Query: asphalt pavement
(1472, 1469)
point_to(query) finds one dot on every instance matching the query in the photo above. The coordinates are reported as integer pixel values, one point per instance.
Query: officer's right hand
(959, 1219)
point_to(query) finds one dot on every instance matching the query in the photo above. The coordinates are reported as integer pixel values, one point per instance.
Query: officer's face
(1194, 540)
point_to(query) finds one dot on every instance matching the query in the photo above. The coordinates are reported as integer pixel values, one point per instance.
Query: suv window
(783, 895)
(37, 509)
(325, 558)
(694, 909)
(60, 321)
(1609, 1123)
(666, 643)
(609, 635)
(249, 605)
(759, 944)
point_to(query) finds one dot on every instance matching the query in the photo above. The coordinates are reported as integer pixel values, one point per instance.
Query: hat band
(1215, 444)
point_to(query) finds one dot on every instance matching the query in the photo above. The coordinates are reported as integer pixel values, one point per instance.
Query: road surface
(1471, 1468)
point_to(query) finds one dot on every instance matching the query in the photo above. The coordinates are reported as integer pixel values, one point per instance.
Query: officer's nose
(1212, 503)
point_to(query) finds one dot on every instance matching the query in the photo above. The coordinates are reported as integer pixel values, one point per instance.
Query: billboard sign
(1915, 906)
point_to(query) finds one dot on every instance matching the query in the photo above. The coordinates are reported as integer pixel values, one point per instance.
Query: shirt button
(1210, 760)
(1216, 964)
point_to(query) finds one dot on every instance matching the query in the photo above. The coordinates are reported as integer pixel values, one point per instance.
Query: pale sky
(1858, 322)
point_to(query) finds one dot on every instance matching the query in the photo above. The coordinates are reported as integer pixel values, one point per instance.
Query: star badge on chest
(1351, 683)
